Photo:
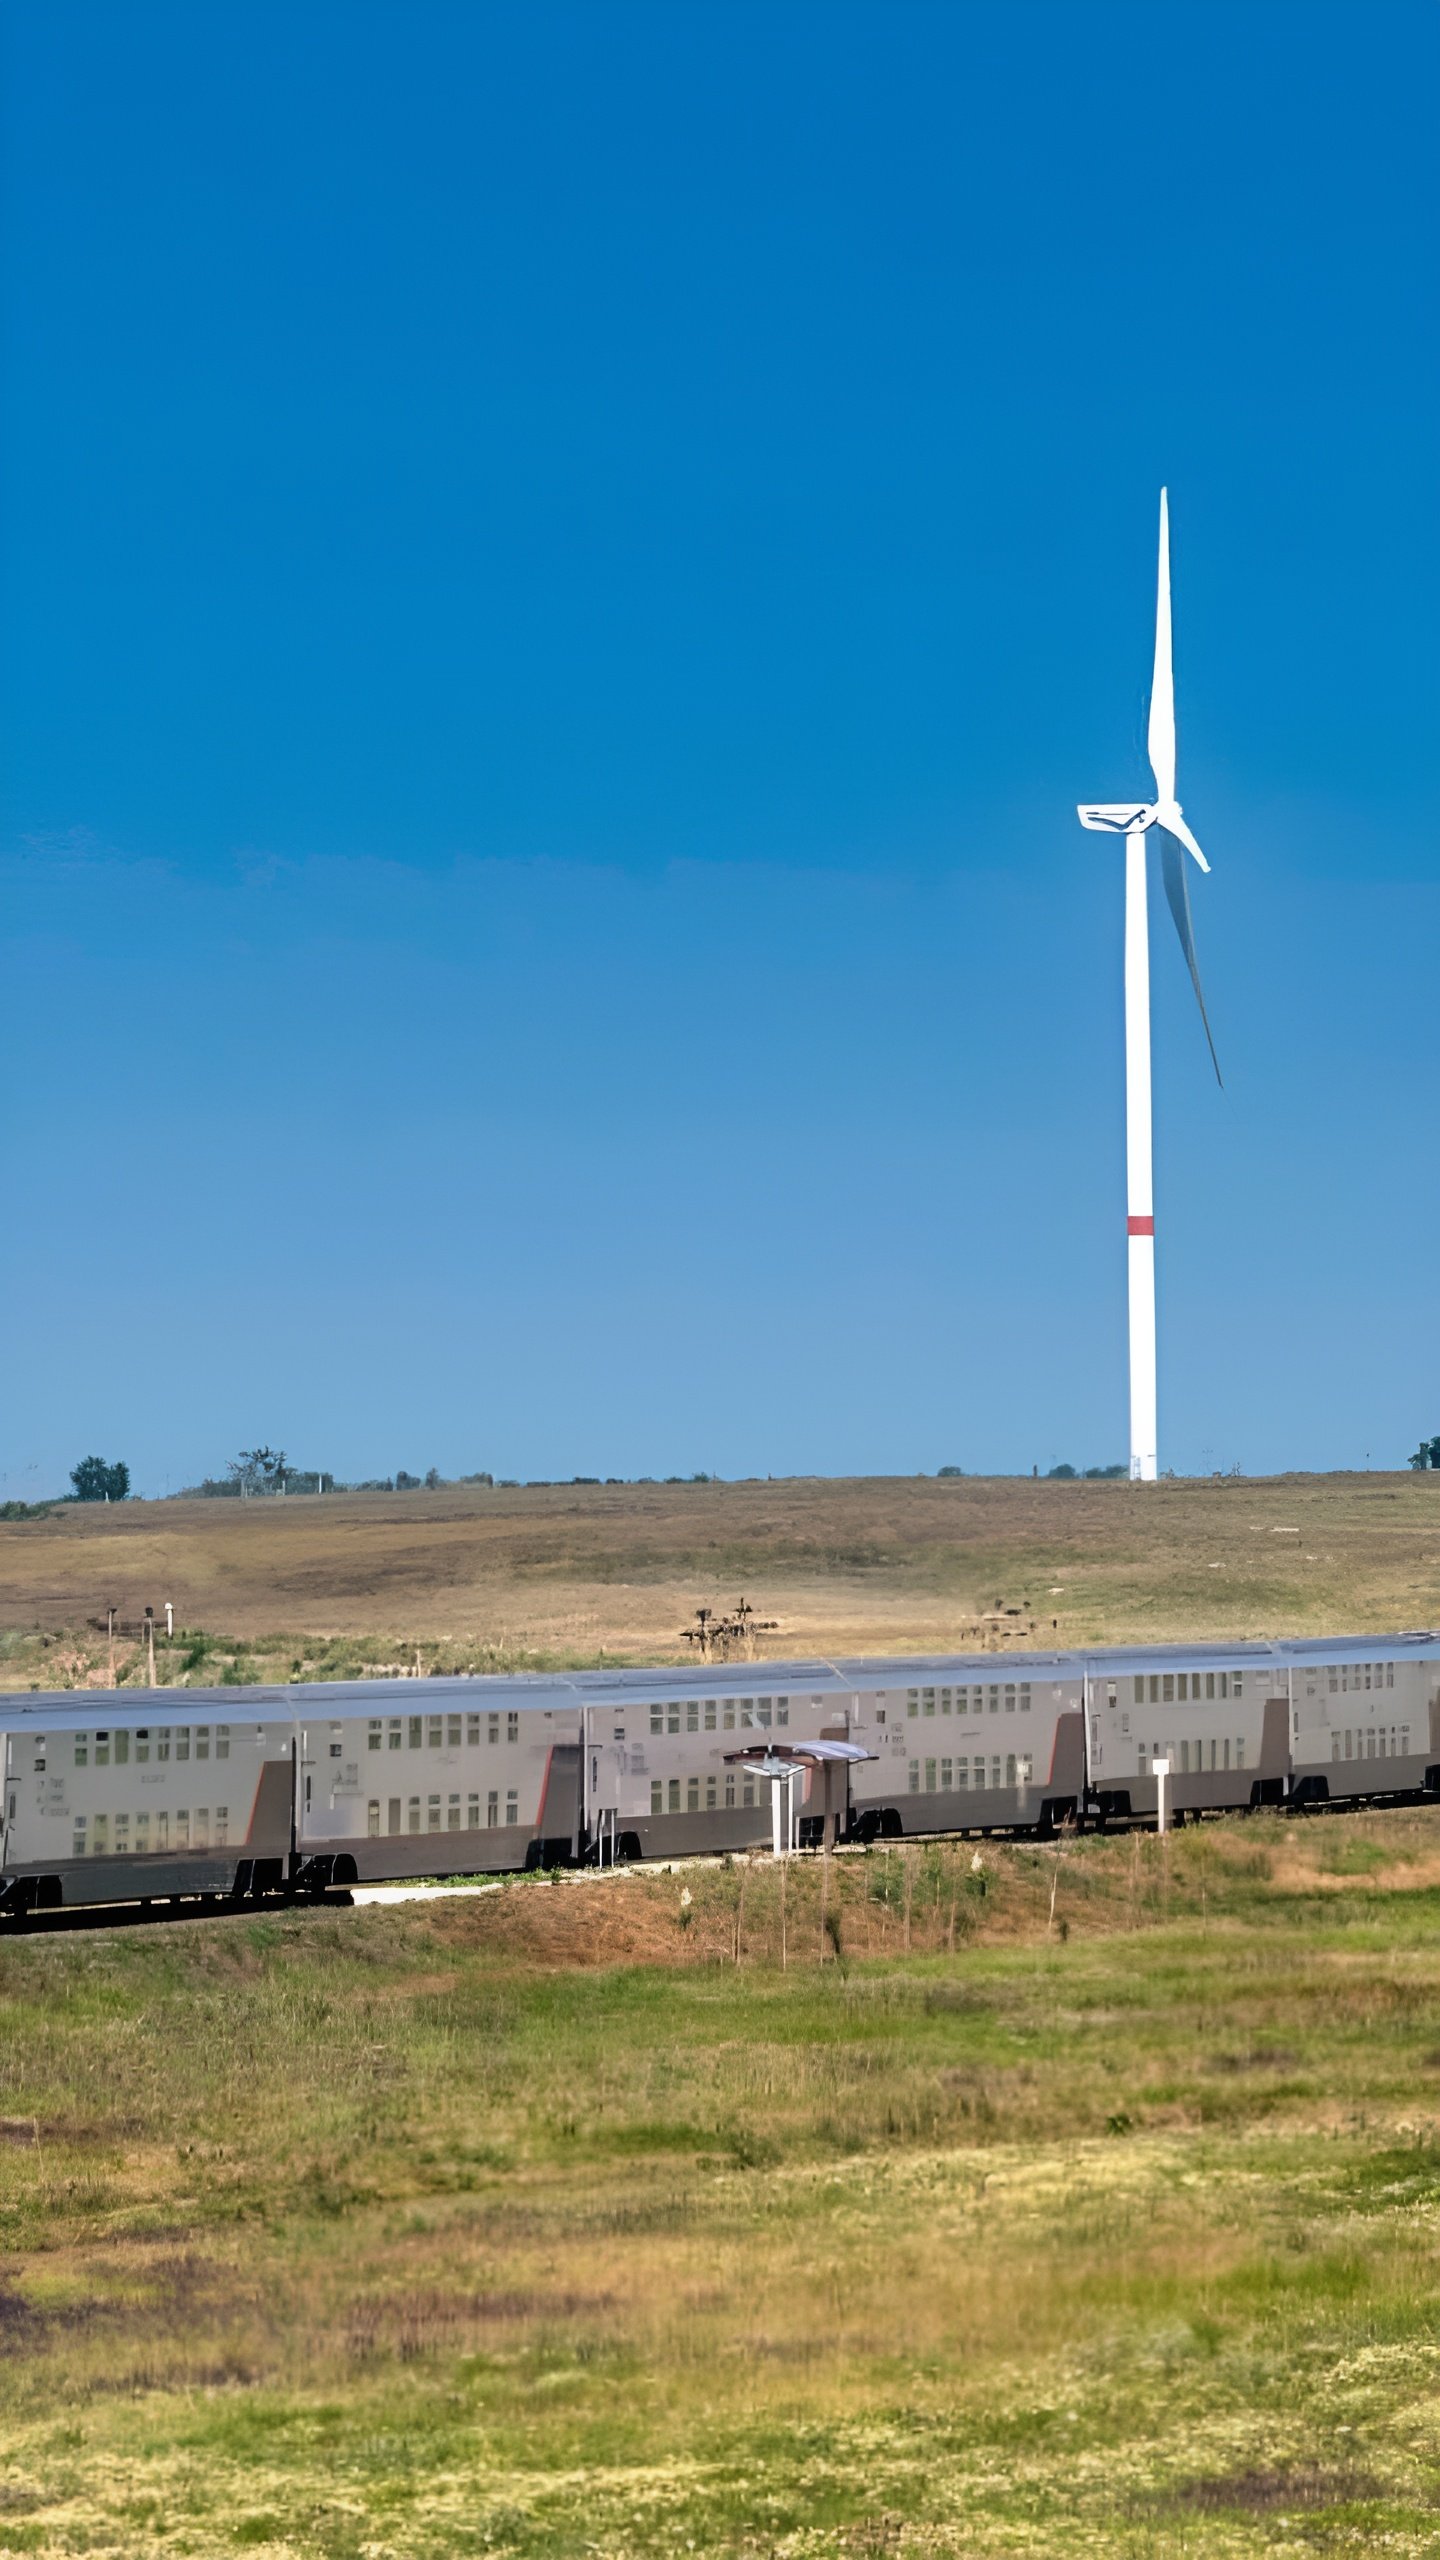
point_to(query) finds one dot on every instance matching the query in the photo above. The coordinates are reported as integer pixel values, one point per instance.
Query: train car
(1365, 1718)
(968, 1743)
(163, 1795)
(665, 1751)
(158, 1794)
(1219, 1714)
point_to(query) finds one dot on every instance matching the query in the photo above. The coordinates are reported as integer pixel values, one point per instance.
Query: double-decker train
(143, 1796)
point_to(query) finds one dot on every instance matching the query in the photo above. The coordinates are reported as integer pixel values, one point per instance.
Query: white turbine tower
(1133, 823)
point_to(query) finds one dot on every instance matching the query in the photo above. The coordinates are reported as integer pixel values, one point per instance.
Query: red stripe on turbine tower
(1139, 1226)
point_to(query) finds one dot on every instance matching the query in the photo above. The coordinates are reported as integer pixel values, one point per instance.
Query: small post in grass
(1161, 1769)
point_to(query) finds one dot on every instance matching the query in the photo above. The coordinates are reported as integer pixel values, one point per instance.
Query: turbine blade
(1161, 738)
(1173, 821)
(1177, 893)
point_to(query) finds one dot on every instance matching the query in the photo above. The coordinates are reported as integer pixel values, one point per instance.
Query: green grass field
(1087, 2203)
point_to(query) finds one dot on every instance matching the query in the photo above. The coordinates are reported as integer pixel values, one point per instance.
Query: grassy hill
(575, 1574)
(1087, 2204)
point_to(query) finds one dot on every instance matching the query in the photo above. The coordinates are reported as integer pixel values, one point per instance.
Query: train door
(557, 1826)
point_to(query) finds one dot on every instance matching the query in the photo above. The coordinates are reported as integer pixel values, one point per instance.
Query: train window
(472, 1813)
(912, 1702)
(182, 1830)
(692, 1795)
(944, 1702)
(1168, 1688)
(417, 1732)
(1183, 1686)
(947, 1776)
(452, 1814)
(394, 1735)
(78, 1844)
(1009, 1702)
(142, 1833)
(729, 1787)
(372, 1818)
(335, 1751)
(1334, 1746)
(1405, 1741)
(1389, 1675)
(512, 1806)
(1010, 1769)
(492, 1810)
(1227, 1751)
(412, 1814)
(747, 1789)
(619, 1733)
(710, 1793)
(432, 1814)
(962, 1702)
(182, 1742)
(692, 1715)
(657, 1719)
(727, 1719)
(202, 1826)
(962, 1773)
(929, 1777)
(122, 1748)
(782, 1710)
(762, 1712)
(927, 1702)
(674, 1804)
(512, 1725)
(710, 1715)
(914, 1777)
(375, 1735)
(1240, 1751)
(1334, 1683)
(1184, 1759)
(222, 1825)
(1139, 1693)
(435, 1732)
(392, 1814)
(494, 1732)
(672, 1716)
(1025, 1697)
(122, 1835)
(202, 1743)
(1027, 1770)
(102, 1750)
(657, 1796)
(472, 1732)
(82, 1750)
(452, 1732)
(1236, 1684)
(222, 1742)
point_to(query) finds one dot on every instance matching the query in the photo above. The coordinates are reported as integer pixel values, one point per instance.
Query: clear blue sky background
(564, 570)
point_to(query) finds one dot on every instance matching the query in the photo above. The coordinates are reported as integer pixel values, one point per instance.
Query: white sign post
(1161, 1769)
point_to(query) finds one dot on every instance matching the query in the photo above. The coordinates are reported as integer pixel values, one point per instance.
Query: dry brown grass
(568, 1574)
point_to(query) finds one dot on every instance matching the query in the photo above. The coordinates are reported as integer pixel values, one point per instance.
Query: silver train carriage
(135, 1795)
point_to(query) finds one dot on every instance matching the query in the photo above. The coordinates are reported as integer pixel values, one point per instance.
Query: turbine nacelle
(1127, 817)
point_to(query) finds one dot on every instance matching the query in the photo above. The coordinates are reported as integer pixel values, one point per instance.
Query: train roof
(555, 1692)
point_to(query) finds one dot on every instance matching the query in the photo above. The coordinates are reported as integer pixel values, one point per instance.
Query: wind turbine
(1133, 821)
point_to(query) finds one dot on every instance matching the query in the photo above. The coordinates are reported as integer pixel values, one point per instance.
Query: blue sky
(564, 571)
